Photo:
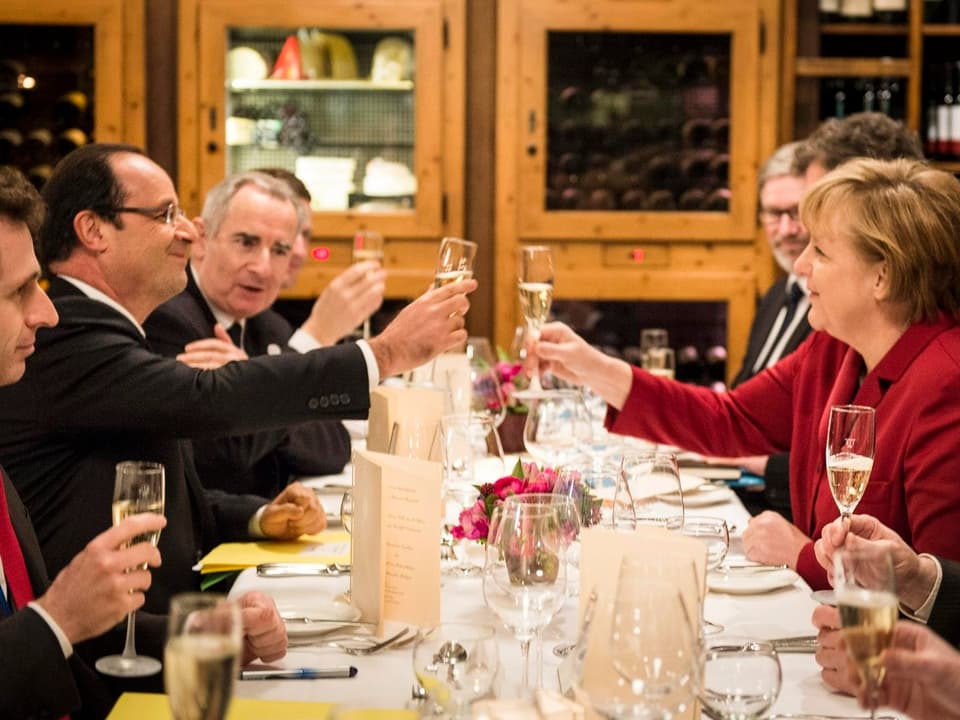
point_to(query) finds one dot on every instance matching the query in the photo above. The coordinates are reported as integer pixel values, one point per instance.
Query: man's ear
(200, 244)
(88, 226)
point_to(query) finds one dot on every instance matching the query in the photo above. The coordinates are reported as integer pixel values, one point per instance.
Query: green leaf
(518, 470)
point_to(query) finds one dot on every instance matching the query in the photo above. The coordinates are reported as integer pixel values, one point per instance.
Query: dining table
(386, 679)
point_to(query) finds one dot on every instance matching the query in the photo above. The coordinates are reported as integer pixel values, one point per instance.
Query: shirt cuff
(61, 636)
(253, 527)
(303, 342)
(922, 613)
(373, 371)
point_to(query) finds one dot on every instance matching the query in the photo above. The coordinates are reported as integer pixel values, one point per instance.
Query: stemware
(535, 285)
(487, 394)
(456, 663)
(202, 655)
(741, 677)
(715, 535)
(346, 520)
(367, 245)
(138, 488)
(557, 426)
(863, 581)
(454, 261)
(648, 476)
(524, 577)
(850, 446)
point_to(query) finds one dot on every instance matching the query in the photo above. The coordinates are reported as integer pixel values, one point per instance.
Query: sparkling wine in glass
(863, 581)
(138, 488)
(202, 655)
(454, 261)
(535, 285)
(367, 245)
(851, 436)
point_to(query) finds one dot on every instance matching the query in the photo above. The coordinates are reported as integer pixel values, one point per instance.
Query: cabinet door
(71, 72)
(639, 119)
(348, 95)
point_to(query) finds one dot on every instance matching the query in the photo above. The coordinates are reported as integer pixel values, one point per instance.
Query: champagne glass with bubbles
(535, 284)
(850, 446)
(202, 655)
(138, 488)
(454, 261)
(367, 245)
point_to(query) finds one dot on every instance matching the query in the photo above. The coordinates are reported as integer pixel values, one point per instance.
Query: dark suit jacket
(37, 681)
(94, 394)
(776, 493)
(945, 617)
(261, 462)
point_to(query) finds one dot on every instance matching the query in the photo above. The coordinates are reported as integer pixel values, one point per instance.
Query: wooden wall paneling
(188, 102)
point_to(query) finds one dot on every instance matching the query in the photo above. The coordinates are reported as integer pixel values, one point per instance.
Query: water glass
(456, 663)
(741, 677)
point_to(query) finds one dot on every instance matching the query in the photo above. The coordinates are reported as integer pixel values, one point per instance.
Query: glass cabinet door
(640, 124)
(65, 70)
(347, 98)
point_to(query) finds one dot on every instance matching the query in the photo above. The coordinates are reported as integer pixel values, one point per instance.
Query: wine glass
(138, 488)
(851, 436)
(714, 533)
(863, 581)
(524, 577)
(557, 426)
(456, 663)
(741, 677)
(471, 448)
(487, 395)
(202, 655)
(535, 285)
(649, 475)
(454, 261)
(367, 245)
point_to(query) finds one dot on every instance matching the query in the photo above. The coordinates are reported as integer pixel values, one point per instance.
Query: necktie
(19, 590)
(235, 332)
(772, 348)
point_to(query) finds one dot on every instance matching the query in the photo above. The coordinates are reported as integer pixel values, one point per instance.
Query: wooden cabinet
(833, 68)
(362, 99)
(629, 133)
(72, 72)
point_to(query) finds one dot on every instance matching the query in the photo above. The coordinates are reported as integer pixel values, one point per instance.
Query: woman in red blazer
(883, 270)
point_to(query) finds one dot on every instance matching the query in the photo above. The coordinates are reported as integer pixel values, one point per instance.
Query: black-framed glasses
(168, 213)
(772, 216)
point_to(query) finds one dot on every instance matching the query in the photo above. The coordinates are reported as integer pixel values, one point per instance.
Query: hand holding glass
(454, 261)
(367, 245)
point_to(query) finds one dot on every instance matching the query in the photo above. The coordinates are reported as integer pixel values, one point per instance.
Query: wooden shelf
(862, 29)
(941, 30)
(315, 85)
(952, 166)
(852, 67)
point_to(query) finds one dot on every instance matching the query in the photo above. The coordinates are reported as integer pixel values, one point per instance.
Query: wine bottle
(11, 142)
(70, 139)
(856, 10)
(633, 199)
(839, 98)
(662, 172)
(716, 363)
(953, 146)
(11, 108)
(829, 11)
(720, 131)
(869, 97)
(890, 11)
(661, 200)
(718, 201)
(39, 174)
(720, 169)
(689, 366)
(691, 200)
(70, 109)
(696, 133)
(695, 169)
(930, 142)
(934, 11)
(952, 12)
(38, 146)
(945, 113)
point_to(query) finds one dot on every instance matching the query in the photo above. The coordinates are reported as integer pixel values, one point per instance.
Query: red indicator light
(321, 253)
(637, 255)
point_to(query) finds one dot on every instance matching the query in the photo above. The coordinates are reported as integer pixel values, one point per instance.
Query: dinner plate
(750, 582)
(307, 604)
(652, 488)
(706, 494)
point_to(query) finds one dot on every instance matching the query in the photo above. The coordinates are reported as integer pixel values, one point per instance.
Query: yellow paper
(151, 706)
(680, 561)
(416, 411)
(326, 547)
(396, 539)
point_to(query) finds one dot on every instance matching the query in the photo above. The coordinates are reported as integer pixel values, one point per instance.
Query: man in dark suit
(94, 393)
(40, 622)
(229, 286)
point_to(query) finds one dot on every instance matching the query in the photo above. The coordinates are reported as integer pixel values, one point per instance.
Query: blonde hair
(903, 213)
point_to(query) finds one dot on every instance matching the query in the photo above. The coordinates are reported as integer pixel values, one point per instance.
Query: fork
(369, 649)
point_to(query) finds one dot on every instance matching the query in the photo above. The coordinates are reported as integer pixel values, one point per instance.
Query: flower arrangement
(525, 478)
(512, 378)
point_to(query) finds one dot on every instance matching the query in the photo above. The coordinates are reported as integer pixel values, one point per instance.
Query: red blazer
(915, 485)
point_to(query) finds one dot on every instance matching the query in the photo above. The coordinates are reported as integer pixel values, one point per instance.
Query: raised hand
(349, 299)
(211, 353)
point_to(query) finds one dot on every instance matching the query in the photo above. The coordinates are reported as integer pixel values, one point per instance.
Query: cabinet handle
(531, 150)
(532, 121)
(213, 147)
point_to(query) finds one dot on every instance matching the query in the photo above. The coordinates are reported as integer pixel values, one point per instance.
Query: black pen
(337, 671)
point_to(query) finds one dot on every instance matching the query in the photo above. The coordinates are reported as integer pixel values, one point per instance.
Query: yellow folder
(326, 547)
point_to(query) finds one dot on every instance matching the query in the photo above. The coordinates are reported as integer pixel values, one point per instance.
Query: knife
(752, 568)
(302, 569)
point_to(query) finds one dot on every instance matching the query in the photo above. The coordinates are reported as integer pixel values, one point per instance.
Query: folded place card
(153, 706)
(396, 536)
(677, 560)
(326, 547)
(410, 417)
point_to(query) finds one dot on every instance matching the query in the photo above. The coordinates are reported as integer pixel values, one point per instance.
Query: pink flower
(474, 524)
(508, 371)
(506, 486)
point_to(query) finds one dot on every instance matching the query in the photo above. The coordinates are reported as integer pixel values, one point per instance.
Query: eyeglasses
(168, 214)
(772, 216)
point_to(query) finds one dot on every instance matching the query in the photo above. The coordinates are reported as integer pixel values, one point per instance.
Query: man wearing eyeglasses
(94, 393)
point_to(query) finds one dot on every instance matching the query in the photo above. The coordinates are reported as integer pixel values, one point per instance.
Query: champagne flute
(202, 655)
(851, 436)
(138, 488)
(536, 295)
(454, 261)
(367, 245)
(866, 595)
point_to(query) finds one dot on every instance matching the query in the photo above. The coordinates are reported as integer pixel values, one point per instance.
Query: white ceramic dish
(750, 582)
(307, 604)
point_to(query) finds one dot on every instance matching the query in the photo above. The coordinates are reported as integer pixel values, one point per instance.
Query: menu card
(602, 549)
(396, 536)
(154, 706)
(408, 415)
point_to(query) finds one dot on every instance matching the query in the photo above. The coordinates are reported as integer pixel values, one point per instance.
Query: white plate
(750, 582)
(307, 604)
(702, 496)
(653, 487)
